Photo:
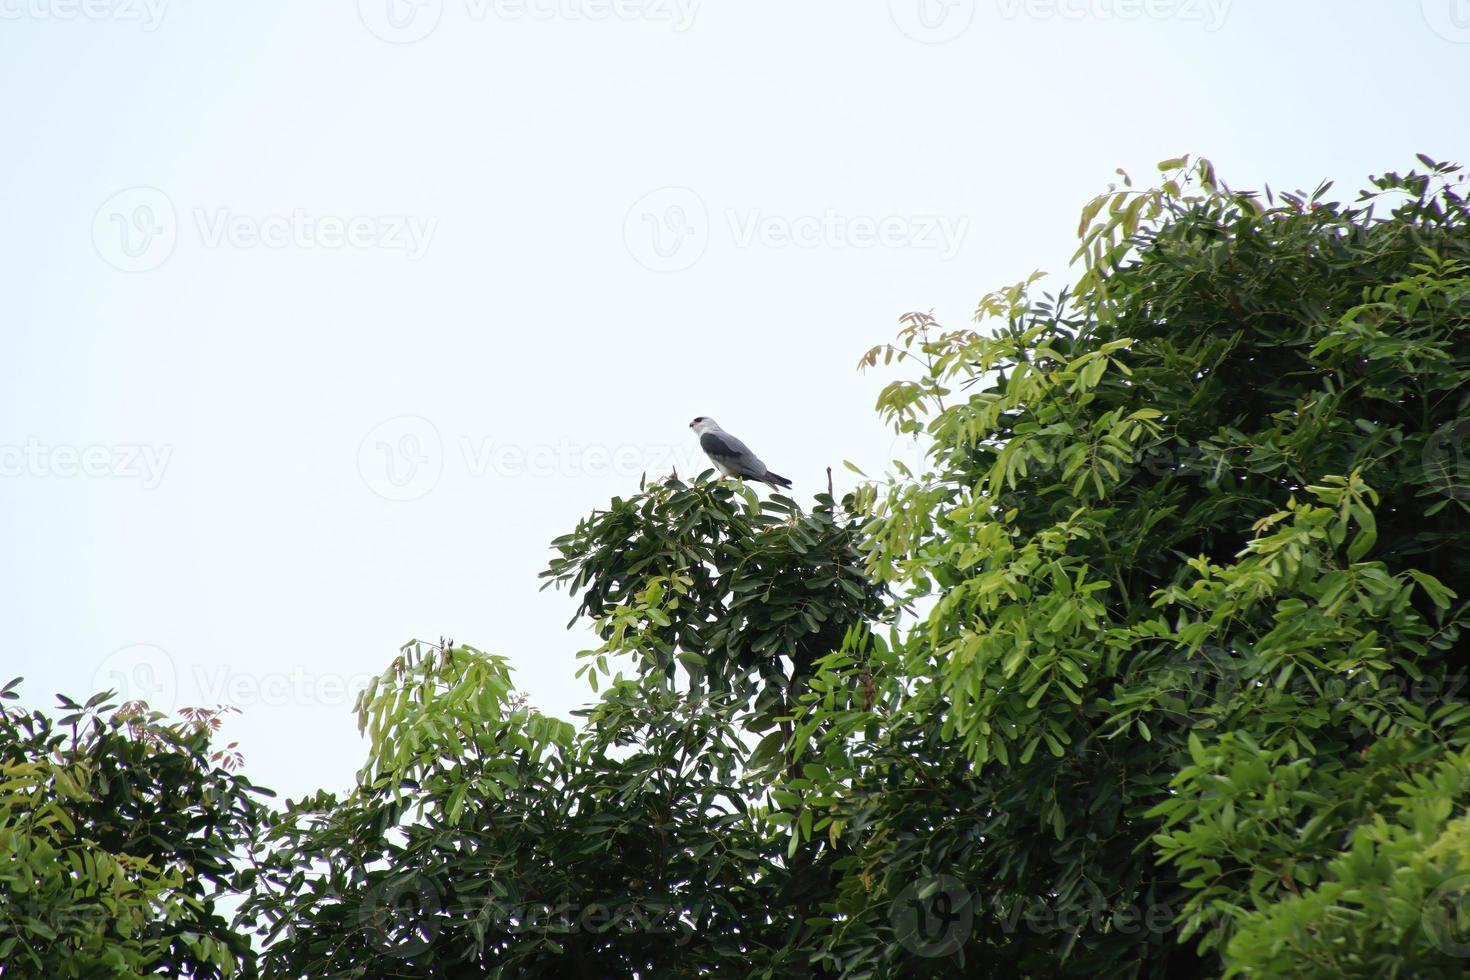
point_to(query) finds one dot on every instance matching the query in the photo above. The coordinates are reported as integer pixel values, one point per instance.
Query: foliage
(116, 839)
(1158, 667)
(711, 577)
(488, 840)
(1188, 547)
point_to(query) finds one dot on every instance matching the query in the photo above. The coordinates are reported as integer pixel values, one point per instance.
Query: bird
(731, 456)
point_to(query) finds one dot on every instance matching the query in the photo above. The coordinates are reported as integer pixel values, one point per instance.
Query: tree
(487, 840)
(1188, 545)
(117, 833)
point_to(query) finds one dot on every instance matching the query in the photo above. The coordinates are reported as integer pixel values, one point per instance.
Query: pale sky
(322, 319)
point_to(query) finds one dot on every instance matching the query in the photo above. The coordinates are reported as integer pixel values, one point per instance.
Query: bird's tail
(776, 480)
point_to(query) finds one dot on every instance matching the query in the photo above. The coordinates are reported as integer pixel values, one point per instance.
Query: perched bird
(731, 456)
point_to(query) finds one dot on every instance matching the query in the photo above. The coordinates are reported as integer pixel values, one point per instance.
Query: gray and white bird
(731, 456)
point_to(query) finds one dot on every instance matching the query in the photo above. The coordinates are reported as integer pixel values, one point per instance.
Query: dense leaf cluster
(116, 838)
(487, 840)
(1193, 538)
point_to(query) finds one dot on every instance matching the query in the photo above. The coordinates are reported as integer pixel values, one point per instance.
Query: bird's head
(704, 424)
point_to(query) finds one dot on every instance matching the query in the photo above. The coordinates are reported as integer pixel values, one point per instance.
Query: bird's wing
(732, 453)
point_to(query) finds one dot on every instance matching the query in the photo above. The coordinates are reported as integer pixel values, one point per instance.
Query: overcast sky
(321, 319)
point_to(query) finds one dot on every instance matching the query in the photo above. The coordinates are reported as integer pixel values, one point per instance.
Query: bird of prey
(731, 456)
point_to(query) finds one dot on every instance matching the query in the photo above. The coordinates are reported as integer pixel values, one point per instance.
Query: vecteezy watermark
(223, 684)
(1446, 917)
(1039, 917)
(141, 672)
(669, 229)
(933, 916)
(910, 450)
(486, 456)
(834, 230)
(301, 229)
(1450, 19)
(567, 917)
(119, 461)
(402, 915)
(403, 458)
(1209, 13)
(1446, 460)
(410, 21)
(1208, 682)
(137, 230)
(147, 14)
(401, 21)
(145, 672)
(932, 21)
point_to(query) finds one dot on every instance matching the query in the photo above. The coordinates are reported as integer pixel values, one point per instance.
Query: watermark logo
(910, 450)
(135, 230)
(1446, 459)
(145, 672)
(1209, 13)
(402, 458)
(138, 229)
(401, 917)
(1450, 19)
(667, 230)
(407, 233)
(147, 14)
(401, 21)
(933, 916)
(487, 457)
(1197, 683)
(932, 21)
(141, 672)
(40, 460)
(593, 918)
(405, 914)
(834, 230)
(1446, 916)
(410, 21)
(679, 14)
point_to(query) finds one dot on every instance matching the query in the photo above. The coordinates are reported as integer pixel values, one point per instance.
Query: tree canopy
(117, 833)
(1156, 667)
